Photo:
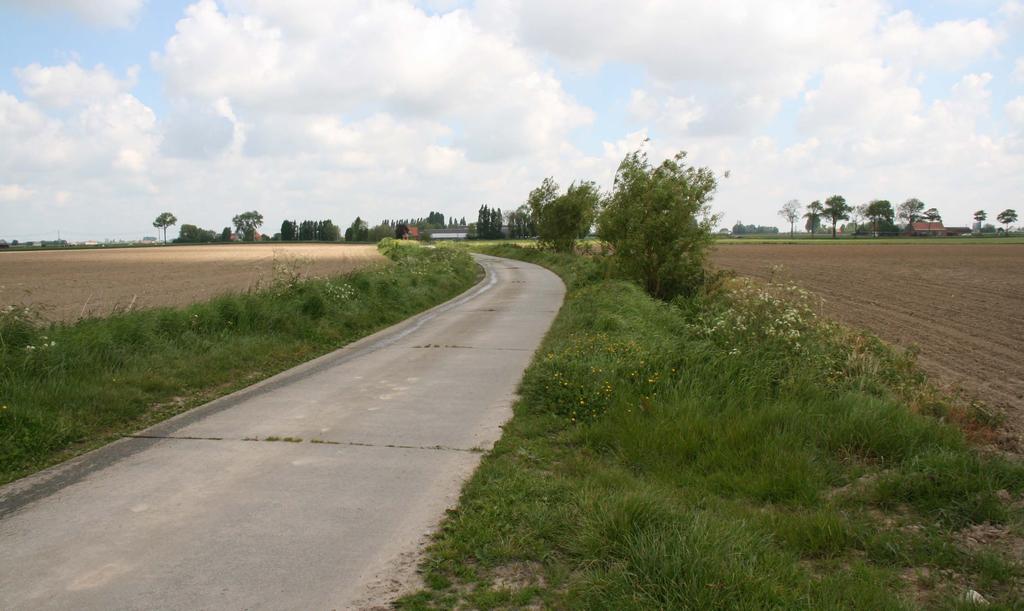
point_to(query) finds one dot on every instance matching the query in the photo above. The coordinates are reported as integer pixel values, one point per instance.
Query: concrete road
(203, 511)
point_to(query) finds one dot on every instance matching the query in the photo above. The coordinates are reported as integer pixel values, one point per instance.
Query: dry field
(961, 304)
(70, 284)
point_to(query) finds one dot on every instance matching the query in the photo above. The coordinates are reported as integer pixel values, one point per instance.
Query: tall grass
(728, 451)
(65, 388)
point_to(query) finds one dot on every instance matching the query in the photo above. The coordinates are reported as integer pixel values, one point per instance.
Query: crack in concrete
(468, 347)
(274, 438)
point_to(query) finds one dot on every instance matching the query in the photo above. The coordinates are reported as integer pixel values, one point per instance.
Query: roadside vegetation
(67, 388)
(691, 440)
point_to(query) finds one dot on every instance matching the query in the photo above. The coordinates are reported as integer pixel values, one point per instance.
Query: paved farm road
(195, 516)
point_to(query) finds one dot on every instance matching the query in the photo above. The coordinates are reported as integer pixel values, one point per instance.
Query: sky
(113, 112)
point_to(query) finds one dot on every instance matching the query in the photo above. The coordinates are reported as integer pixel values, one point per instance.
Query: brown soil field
(67, 285)
(960, 304)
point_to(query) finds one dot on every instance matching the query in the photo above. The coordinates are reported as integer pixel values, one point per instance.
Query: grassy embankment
(65, 389)
(727, 451)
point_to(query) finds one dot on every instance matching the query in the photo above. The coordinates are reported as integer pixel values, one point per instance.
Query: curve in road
(314, 489)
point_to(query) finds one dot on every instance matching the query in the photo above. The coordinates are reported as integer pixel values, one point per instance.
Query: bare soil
(960, 304)
(66, 285)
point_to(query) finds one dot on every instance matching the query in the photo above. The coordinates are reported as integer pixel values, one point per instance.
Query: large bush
(562, 219)
(658, 223)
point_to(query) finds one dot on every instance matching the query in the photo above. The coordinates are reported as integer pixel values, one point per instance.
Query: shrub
(658, 222)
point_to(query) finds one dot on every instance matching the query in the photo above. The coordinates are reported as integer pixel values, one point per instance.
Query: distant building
(924, 228)
(4, 244)
(451, 233)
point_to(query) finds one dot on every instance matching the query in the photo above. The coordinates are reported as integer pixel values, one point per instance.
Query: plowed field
(961, 304)
(70, 284)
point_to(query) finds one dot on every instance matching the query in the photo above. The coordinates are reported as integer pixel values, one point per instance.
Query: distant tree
(880, 213)
(247, 223)
(980, 217)
(358, 231)
(329, 232)
(191, 234)
(836, 209)
(165, 220)
(740, 229)
(1006, 217)
(401, 231)
(910, 211)
(791, 212)
(542, 197)
(563, 219)
(434, 220)
(813, 216)
(520, 222)
(225, 235)
(380, 232)
(288, 231)
(657, 221)
(932, 216)
(857, 215)
(988, 228)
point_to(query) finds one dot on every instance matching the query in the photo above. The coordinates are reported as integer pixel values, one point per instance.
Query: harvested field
(959, 303)
(70, 284)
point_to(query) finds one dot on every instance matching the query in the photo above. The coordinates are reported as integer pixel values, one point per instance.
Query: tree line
(879, 215)
(324, 231)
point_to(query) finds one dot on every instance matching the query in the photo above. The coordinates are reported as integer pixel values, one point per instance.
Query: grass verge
(727, 451)
(65, 389)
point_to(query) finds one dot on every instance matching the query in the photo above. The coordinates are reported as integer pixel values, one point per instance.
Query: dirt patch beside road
(69, 284)
(959, 303)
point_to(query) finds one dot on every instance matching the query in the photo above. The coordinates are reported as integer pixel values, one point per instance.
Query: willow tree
(657, 222)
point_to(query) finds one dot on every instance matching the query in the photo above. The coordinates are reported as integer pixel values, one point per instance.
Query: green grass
(827, 239)
(65, 389)
(729, 451)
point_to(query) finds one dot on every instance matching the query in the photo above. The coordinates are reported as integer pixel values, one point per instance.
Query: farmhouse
(451, 233)
(925, 228)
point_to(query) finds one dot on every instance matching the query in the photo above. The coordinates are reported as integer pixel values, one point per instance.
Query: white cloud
(670, 114)
(861, 97)
(70, 84)
(389, 57)
(945, 45)
(106, 13)
(1015, 112)
(1018, 70)
(14, 193)
(739, 60)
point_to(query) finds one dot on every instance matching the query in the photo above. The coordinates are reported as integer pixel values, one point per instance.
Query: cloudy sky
(112, 112)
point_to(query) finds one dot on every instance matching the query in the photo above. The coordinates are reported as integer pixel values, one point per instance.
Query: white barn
(452, 233)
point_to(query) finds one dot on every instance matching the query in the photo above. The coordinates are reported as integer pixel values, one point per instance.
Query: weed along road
(311, 490)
